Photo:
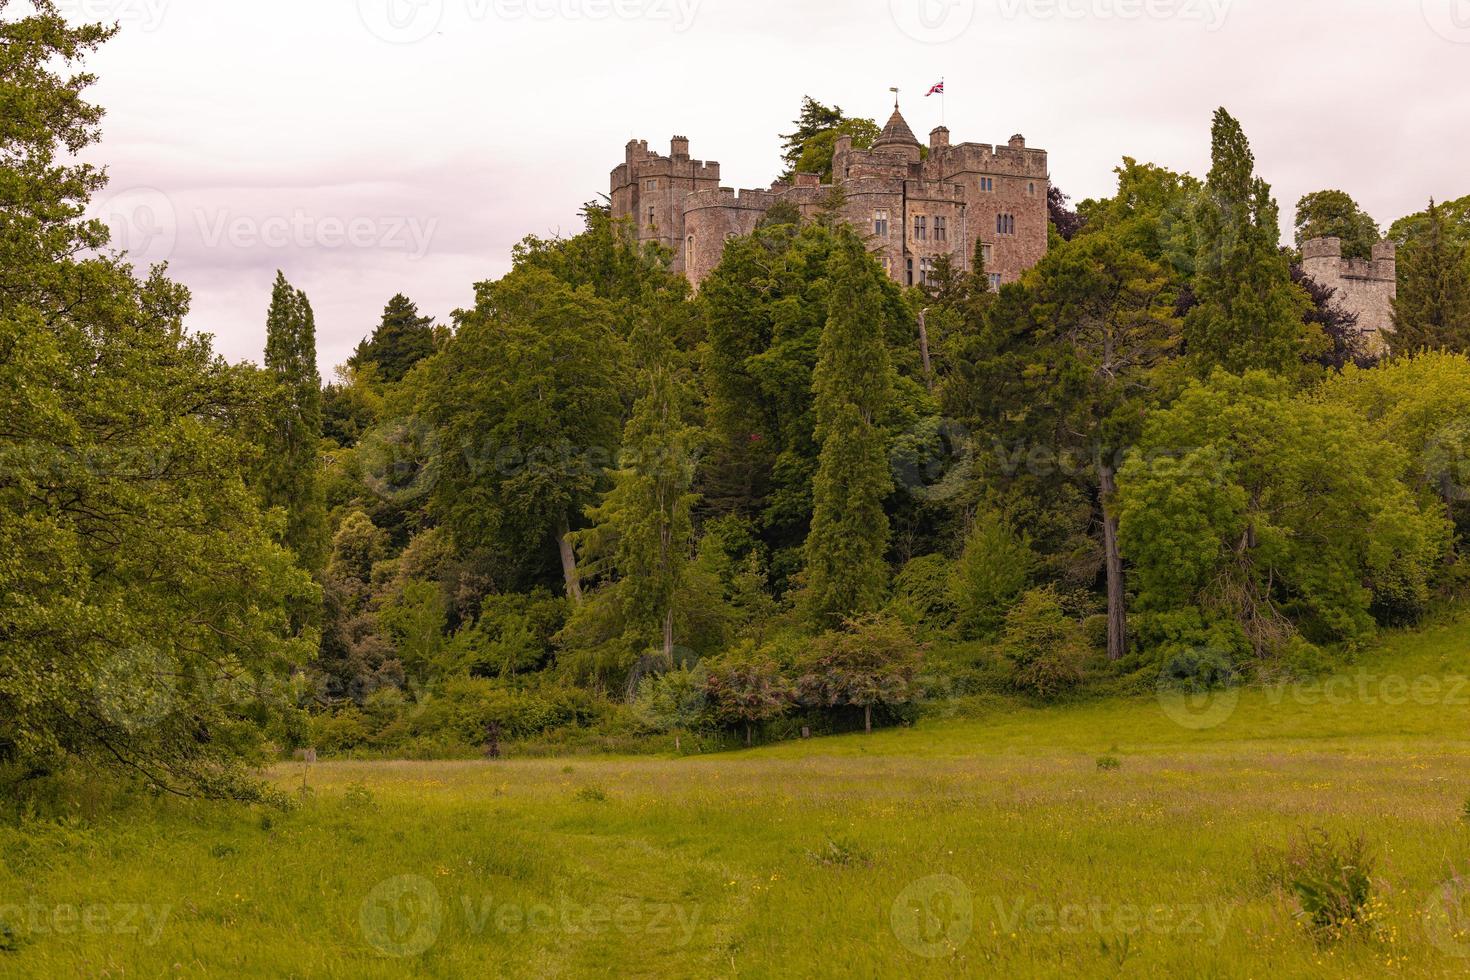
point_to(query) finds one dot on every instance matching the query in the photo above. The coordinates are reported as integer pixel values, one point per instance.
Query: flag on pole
(936, 90)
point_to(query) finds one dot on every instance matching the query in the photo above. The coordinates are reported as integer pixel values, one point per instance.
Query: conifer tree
(1249, 313)
(401, 340)
(644, 523)
(853, 384)
(292, 460)
(1433, 305)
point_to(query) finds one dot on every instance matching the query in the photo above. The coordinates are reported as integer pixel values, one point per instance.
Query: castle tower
(897, 139)
(1367, 287)
(652, 190)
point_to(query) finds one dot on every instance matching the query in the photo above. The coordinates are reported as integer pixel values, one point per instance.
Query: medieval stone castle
(912, 207)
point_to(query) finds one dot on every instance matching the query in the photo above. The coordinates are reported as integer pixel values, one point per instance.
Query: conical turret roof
(896, 133)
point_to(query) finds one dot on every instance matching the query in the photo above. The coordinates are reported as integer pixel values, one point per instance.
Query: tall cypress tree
(853, 383)
(291, 477)
(1433, 305)
(1250, 312)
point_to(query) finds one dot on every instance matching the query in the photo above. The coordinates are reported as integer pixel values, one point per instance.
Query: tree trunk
(1117, 611)
(748, 741)
(868, 718)
(669, 639)
(568, 562)
(924, 350)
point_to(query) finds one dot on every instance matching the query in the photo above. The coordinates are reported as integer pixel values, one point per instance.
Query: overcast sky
(368, 147)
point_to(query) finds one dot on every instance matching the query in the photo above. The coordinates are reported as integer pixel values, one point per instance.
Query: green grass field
(990, 846)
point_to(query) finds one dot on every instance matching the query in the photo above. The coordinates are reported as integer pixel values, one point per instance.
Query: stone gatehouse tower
(911, 206)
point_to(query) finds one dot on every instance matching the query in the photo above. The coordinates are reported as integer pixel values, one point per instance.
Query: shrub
(923, 597)
(677, 699)
(994, 569)
(1109, 763)
(839, 853)
(1045, 647)
(341, 731)
(871, 661)
(590, 794)
(1330, 877)
(358, 798)
(747, 689)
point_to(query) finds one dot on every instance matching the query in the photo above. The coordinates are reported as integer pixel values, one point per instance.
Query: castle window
(926, 269)
(940, 231)
(1031, 188)
(908, 276)
(921, 228)
(985, 251)
(880, 223)
(1005, 224)
(689, 250)
(650, 185)
(995, 282)
(987, 183)
(651, 222)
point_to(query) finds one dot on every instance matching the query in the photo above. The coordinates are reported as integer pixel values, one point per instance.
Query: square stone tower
(1366, 287)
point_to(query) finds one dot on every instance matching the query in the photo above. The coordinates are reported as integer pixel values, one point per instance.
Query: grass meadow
(1113, 838)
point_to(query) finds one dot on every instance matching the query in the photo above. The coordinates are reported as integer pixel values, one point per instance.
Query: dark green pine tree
(1250, 312)
(1433, 305)
(291, 477)
(847, 572)
(401, 340)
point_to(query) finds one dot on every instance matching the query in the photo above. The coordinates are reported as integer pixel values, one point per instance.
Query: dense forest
(599, 509)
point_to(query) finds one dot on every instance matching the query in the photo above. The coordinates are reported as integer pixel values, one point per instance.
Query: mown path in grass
(993, 846)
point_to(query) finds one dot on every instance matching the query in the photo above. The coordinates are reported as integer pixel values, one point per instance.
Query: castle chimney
(679, 148)
(1018, 142)
(939, 137)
